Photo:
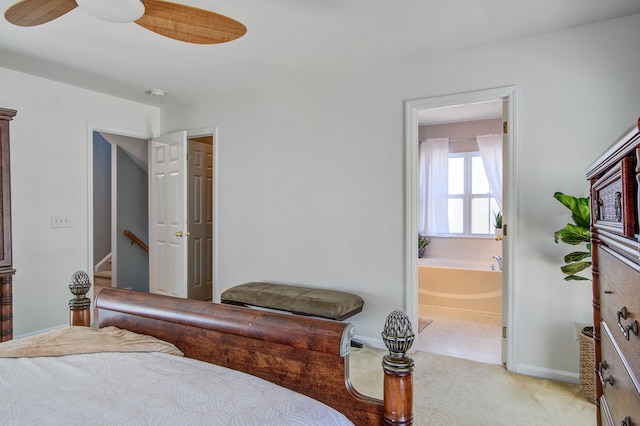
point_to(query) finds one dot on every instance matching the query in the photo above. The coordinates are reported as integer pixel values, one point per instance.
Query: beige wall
(310, 177)
(50, 145)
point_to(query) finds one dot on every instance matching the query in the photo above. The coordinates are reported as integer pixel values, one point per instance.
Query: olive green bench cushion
(337, 305)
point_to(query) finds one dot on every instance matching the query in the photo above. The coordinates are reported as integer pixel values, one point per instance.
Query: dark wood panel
(615, 179)
(620, 288)
(6, 253)
(299, 353)
(621, 394)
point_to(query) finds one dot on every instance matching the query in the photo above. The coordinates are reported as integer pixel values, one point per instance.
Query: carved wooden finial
(80, 305)
(398, 336)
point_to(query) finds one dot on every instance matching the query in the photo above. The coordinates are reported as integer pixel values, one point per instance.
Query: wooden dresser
(614, 179)
(6, 262)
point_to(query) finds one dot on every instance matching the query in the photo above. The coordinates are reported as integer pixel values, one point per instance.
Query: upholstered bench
(336, 305)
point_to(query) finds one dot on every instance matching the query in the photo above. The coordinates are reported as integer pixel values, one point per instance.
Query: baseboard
(527, 370)
(33, 333)
(548, 373)
(370, 342)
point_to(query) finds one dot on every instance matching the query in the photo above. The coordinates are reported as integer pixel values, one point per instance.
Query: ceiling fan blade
(29, 13)
(189, 24)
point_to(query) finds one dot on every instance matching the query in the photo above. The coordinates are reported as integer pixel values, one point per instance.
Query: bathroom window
(471, 202)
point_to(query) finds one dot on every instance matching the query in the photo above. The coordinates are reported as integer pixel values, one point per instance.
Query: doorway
(106, 218)
(505, 97)
(459, 275)
(120, 211)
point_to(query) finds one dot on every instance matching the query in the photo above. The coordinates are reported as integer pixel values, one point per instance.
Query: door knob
(179, 234)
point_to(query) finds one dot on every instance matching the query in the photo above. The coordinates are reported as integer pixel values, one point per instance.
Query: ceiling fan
(176, 21)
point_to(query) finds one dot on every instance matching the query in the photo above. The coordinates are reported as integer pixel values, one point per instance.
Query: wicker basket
(587, 364)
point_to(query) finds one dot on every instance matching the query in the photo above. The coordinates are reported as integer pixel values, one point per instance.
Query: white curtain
(491, 152)
(433, 189)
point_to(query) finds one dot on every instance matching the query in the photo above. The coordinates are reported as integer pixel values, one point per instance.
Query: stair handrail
(136, 240)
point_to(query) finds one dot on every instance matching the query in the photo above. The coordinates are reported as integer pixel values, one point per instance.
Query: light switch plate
(60, 221)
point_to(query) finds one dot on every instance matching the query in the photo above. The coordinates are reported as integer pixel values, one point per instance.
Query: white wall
(310, 175)
(49, 153)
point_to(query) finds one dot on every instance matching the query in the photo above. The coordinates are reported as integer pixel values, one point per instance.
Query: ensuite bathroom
(460, 271)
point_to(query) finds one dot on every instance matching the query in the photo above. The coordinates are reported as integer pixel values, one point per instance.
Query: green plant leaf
(581, 212)
(497, 223)
(576, 256)
(575, 267)
(575, 278)
(572, 234)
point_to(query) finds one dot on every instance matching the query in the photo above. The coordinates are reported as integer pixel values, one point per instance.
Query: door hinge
(504, 332)
(505, 127)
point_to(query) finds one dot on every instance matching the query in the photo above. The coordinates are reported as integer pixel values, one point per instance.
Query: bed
(300, 366)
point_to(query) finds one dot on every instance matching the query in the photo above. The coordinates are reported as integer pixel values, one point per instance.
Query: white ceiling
(286, 39)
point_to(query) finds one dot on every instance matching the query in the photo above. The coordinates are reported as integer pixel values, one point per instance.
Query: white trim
(547, 373)
(44, 330)
(372, 342)
(114, 216)
(411, 227)
(216, 167)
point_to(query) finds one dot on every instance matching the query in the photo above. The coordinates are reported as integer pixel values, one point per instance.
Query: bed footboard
(307, 355)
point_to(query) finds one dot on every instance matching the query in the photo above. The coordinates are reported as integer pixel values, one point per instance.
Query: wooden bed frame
(304, 354)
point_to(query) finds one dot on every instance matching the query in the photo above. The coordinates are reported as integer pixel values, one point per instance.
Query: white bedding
(146, 389)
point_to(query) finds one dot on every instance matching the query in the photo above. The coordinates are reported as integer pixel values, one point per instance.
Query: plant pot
(421, 252)
(587, 364)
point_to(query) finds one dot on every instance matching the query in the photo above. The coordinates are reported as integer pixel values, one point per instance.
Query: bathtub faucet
(499, 259)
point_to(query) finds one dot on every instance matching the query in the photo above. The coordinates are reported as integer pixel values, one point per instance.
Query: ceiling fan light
(113, 10)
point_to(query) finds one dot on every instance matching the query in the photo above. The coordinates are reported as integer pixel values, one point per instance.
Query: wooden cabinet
(614, 179)
(6, 260)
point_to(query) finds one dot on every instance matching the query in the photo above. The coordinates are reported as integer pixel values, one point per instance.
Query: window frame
(467, 196)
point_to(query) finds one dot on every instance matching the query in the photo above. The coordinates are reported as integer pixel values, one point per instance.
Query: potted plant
(578, 233)
(423, 242)
(575, 234)
(497, 223)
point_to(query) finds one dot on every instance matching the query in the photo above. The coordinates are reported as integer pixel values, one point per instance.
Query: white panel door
(200, 221)
(167, 227)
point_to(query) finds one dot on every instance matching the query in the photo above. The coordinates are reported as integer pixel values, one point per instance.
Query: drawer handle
(626, 421)
(618, 206)
(603, 366)
(626, 329)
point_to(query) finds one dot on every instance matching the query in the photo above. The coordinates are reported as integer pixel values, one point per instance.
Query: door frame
(116, 130)
(143, 134)
(510, 207)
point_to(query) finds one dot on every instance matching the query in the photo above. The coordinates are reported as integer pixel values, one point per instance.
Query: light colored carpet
(423, 323)
(452, 391)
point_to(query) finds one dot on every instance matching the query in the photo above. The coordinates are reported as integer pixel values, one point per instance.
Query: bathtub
(470, 285)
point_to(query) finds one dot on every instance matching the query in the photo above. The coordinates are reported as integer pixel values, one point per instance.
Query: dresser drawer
(613, 206)
(620, 298)
(621, 395)
(605, 413)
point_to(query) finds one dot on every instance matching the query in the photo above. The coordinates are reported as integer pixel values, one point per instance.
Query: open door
(507, 212)
(168, 207)
(200, 219)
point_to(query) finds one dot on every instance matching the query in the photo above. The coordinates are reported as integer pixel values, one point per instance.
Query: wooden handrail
(136, 240)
